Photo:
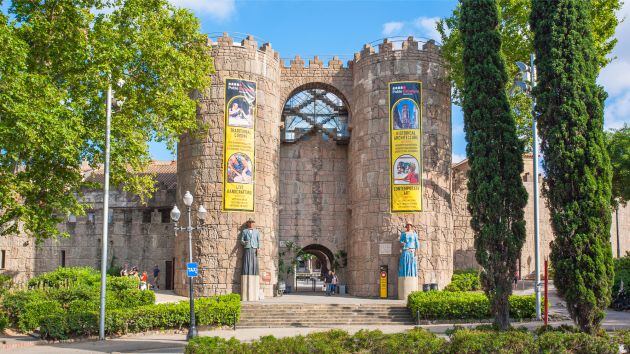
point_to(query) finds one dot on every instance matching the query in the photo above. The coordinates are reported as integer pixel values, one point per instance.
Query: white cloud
(458, 158)
(615, 77)
(458, 129)
(219, 9)
(617, 111)
(423, 27)
(391, 28)
(428, 27)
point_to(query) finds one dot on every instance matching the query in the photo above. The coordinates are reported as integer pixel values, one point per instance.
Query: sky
(315, 27)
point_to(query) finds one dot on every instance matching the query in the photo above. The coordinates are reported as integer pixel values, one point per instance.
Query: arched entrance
(313, 178)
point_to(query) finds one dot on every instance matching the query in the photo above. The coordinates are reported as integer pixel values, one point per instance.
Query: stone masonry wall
(218, 250)
(313, 197)
(372, 224)
(464, 252)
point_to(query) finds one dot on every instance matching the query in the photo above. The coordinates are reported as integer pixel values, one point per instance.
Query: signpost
(192, 269)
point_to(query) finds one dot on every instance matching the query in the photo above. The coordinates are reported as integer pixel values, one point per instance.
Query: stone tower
(372, 225)
(217, 250)
(357, 221)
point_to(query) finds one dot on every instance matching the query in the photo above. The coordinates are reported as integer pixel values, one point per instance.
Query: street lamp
(527, 83)
(201, 214)
(108, 119)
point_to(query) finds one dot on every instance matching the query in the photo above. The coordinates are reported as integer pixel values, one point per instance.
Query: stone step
(322, 315)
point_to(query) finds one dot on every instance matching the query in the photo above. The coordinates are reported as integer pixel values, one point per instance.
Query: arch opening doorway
(313, 169)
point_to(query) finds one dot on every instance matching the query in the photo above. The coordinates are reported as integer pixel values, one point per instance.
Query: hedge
(65, 303)
(445, 305)
(81, 320)
(461, 341)
(464, 280)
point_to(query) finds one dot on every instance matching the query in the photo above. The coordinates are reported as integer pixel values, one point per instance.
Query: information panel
(239, 145)
(405, 142)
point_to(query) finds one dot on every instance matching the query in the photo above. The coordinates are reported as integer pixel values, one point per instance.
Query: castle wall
(464, 251)
(371, 223)
(217, 249)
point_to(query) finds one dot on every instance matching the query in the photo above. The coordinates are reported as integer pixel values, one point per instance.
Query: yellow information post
(405, 142)
(383, 282)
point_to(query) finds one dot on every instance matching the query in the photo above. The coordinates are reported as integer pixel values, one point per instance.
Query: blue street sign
(192, 269)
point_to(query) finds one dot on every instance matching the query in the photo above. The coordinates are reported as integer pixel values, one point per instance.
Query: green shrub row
(446, 305)
(81, 319)
(418, 340)
(467, 280)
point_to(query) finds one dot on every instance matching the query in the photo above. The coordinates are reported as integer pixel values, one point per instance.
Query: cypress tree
(496, 196)
(576, 163)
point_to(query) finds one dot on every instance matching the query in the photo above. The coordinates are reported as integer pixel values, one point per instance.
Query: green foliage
(578, 174)
(473, 341)
(4, 321)
(34, 312)
(496, 196)
(467, 280)
(622, 273)
(66, 277)
(517, 44)
(6, 283)
(333, 341)
(562, 342)
(618, 142)
(446, 305)
(462, 341)
(56, 61)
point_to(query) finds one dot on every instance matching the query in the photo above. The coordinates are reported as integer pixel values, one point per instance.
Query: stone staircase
(322, 315)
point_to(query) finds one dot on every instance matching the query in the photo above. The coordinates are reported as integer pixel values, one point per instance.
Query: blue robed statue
(407, 266)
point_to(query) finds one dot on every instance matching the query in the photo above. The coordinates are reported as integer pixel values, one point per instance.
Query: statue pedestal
(249, 288)
(406, 285)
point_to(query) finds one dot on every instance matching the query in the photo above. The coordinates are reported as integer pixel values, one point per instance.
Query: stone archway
(313, 171)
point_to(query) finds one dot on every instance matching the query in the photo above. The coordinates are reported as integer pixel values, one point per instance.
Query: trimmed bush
(578, 343)
(445, 305)
(466, 280)
(474, 341)
(334, 341)
(36, 311)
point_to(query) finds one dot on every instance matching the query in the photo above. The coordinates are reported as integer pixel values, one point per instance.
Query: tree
(516, 38)
(618, 142)
(58, 57)
(496, 196)
(576, 163)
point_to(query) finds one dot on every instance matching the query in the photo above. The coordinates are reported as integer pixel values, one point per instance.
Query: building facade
(322, 181)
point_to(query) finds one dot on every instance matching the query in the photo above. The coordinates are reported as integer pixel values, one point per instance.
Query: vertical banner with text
(405, 144)
(239, 145)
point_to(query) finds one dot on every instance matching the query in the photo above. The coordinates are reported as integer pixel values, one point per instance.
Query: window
(91, 216)
(315, 110)
(166, 215)
(146, 216)
(63, 258)
(3, 259)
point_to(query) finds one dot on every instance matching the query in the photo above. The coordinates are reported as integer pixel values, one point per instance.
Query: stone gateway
(312, 144)
(322, 169)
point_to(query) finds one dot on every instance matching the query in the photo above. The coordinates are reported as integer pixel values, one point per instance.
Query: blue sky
(311, 27)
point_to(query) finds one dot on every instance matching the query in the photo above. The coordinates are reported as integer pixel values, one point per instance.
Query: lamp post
(527, 84)
(108, 119)
(201, 214)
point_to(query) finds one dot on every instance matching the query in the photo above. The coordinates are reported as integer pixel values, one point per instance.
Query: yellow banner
(239, 145)
(405, 141)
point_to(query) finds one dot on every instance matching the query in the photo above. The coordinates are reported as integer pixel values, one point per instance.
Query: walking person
(328, 278)
(335, 280)
(125, 270)
(156, 277)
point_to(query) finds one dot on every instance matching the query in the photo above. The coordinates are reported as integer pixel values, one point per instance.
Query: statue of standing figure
(407, 265)
(251, 241)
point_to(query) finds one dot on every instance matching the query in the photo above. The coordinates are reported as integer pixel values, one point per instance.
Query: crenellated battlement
(247, 42)
(404, 46)
(315, 63)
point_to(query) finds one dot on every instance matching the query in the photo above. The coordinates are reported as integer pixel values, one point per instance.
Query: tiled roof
(165, 173)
